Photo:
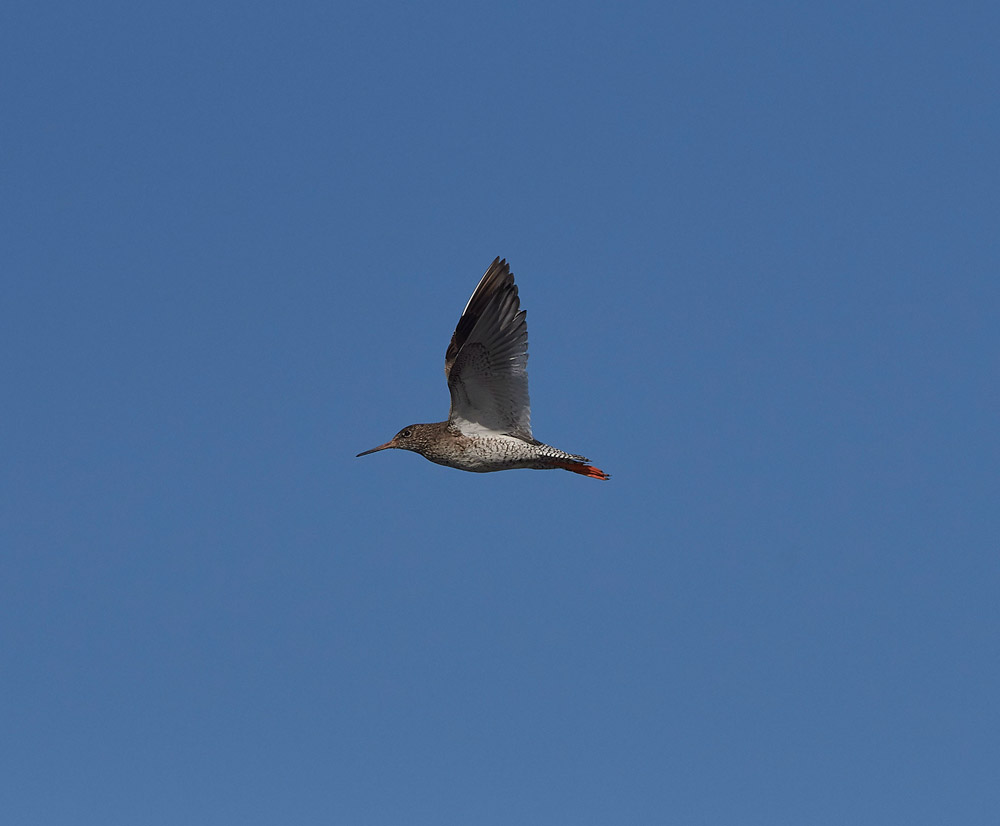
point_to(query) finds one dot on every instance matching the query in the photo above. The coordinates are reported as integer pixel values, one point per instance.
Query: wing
(487, 360)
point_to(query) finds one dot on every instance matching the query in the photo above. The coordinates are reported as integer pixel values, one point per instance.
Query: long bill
(375, 449)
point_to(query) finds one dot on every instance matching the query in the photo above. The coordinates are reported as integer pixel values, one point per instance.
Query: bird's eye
(405, 434)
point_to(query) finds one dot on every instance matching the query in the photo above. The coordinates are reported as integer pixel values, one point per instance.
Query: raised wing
(487, 360)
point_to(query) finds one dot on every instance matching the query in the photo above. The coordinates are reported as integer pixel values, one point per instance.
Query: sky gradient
(757, 245)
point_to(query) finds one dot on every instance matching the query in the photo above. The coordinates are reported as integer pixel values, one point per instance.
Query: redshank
(489, 426)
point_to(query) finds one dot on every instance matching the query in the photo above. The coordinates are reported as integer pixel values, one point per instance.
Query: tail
(582, 468)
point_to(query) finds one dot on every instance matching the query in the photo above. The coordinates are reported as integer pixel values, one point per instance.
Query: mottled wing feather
(487, 360)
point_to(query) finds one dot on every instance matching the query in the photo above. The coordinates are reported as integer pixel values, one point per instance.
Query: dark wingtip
(494, 280)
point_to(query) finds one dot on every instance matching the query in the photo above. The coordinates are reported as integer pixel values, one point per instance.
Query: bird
(489, 424)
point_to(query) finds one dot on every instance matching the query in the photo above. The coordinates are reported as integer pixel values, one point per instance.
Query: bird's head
(409, 438)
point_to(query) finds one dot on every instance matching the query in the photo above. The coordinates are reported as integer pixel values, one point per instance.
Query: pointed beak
(376, 449)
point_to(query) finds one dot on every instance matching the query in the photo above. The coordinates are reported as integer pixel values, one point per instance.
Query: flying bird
(489, 426)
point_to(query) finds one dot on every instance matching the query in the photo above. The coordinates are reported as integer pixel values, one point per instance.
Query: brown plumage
(489, 425)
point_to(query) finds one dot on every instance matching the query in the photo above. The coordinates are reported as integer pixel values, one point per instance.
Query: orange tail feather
(583, 469)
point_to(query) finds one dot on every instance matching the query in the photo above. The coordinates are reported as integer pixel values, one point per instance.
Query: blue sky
(757, 244)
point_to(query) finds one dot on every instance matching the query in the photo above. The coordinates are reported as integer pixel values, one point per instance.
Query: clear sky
(757, 244)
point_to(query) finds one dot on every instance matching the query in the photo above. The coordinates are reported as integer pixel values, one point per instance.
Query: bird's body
(441, 443)
(489, 426)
